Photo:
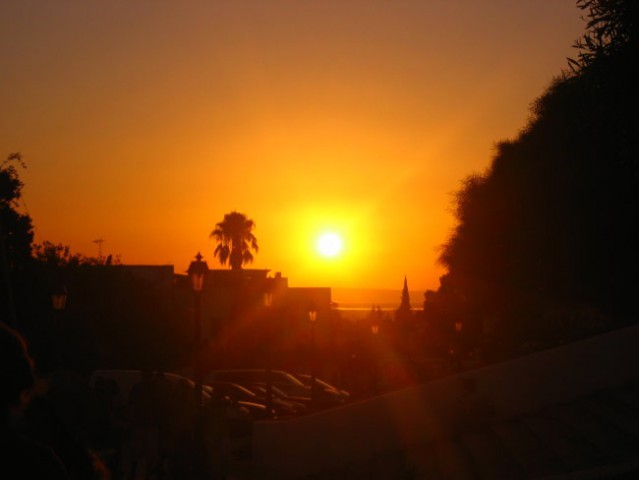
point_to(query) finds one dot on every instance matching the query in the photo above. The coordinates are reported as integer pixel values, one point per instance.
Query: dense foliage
(545, 248)
(16, 234)
(16, 230)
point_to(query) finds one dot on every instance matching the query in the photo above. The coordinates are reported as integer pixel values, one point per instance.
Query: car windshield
(290, 378)
(325, 384)
(279, 392)
(260, 389)
(233, 390)
(241, 389)
(306, 379)
(283, 380)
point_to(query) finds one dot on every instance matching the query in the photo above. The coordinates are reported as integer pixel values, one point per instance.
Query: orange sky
(143, 122)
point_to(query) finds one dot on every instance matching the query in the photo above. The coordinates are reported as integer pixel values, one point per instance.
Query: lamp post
(197, 272)
(268, 302)
(58, 303)
(312, 318)
(459, 325)
(59, 298)
(268, 299)
(375, 359)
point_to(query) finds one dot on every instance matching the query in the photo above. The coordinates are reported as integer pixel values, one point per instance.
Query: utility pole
(99, 241)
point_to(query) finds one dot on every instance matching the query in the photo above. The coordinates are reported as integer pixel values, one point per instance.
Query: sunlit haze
(144, 122)
(329, 244)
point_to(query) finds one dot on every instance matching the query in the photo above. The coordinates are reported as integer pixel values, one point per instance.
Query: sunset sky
(143, 122)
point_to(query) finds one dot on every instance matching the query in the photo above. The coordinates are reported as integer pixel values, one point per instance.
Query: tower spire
(405, 305)
(403, 313)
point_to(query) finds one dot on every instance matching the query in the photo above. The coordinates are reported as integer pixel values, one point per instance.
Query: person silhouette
(21, 456)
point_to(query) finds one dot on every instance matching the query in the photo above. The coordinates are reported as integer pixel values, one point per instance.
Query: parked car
(238, 392)
(327, 394)
(287, 404)
(126, 379)
(244, 412)
(278, 378)
(241, 414)
(234, 391)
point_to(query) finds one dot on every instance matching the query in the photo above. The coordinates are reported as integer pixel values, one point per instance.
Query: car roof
(252, 374)
(229, 384)
(127, 378)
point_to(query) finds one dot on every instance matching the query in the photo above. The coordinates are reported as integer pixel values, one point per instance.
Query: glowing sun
(329, 245)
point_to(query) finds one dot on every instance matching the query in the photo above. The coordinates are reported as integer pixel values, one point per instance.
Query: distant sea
(356, 303)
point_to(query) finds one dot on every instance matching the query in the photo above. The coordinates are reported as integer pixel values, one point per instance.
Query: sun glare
(329, 245)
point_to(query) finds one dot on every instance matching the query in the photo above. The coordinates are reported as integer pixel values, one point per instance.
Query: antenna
(99, 241)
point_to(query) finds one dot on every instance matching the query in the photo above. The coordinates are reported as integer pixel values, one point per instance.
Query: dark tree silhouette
(16, 234)
(612, 26)
(235, 240)
(16, 227)
(58, 255)
(545, 248)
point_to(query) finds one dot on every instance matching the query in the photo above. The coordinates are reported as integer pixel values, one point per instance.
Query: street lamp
(59, 298)
(55, 335)
(375, 356)
(268, 302)
(312, 318)
(197, 272)
(268, 299)
(457, 350)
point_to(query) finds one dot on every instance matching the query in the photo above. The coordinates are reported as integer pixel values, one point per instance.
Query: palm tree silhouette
(235, 240)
